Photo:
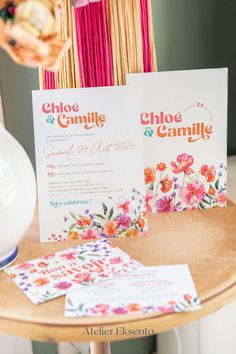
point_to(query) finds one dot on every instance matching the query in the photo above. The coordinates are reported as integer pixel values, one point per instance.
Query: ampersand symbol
(148, 131)
(50, 120)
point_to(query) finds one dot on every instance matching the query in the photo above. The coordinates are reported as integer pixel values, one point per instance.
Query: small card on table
(85, 142)
(147, 290)
(78, 267)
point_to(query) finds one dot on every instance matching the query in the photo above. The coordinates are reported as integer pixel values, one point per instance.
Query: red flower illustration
(209, 172)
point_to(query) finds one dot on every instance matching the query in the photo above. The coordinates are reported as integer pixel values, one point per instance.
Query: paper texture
(183, 115)
(150, 289)
(89, 159)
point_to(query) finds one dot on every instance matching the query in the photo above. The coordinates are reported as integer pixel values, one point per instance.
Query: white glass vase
(17, 196)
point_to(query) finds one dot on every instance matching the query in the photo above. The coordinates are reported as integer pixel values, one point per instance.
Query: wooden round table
(205, 239)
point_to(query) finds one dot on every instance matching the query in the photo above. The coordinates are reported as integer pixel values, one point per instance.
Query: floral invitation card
(148, 290)
(183, 115)
(78, 267)
(86, 140)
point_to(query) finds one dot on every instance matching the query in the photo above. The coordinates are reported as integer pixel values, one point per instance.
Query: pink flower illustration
(119, 310)
(184, 163)
(115, 260)
(42, 264)
(124, 205)
(192, 193)
(150, 199)
(50, 256)
(63, 285)
(100, 308)
(70, 256)
(167, 308)
(25, 266)
(221, 198)
(123, 220)
(83, 278)
(165, 204)
(90, 234)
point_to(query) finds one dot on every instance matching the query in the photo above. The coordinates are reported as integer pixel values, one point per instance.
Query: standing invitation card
(183, 116)
(49, 277)
(89, 158)
(147, 290)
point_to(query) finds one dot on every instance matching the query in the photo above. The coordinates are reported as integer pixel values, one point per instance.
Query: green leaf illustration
(217, 184)
(73, 216)
(100, 216)
(110, 214)
(71, 227)
(104, 208)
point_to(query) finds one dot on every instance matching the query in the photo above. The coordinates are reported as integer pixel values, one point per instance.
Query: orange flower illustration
(41, 281)
(150, 175)
(110, 228)
(140, 222)
(132, 232)
(134, 307)
(161, 166)
(73, 235)
(211, 191)
(84, 221)
(166, 184)
(209, 172)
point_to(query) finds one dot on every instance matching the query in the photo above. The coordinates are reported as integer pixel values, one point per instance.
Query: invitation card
(78, 267)
(147, 290)
(89, 160)
(183, 116)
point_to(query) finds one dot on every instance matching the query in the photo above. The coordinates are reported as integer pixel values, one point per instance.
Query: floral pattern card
(148, 290)
(183, 116)
(78, 267)
(85, 141)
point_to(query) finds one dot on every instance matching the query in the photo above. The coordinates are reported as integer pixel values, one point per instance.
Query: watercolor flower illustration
(115, 260)
(165, 204)
(185, 187)
(150, 175)
(90, 234)
(40, 281)
(100, 308)
(166, 184)
(83, 278)
(192, 193)
(221, 198)
(110, 228)
(150, 200)
(70, 256)
(123, 221)
(183, 164)
(134, 307)
(25, 266)
(120, 218)
(208, 172)
(63, 285)
(124, 204)
(161, 166)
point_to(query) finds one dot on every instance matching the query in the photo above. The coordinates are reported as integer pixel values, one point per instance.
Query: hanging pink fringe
(48, 80)
(94, 45)
(147, 58)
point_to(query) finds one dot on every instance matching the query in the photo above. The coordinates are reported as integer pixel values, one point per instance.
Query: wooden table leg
(100, 348)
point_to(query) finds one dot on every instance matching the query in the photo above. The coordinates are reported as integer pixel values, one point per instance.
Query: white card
(183, 115)
(89, 158)
(147, 290)
(51, 276)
